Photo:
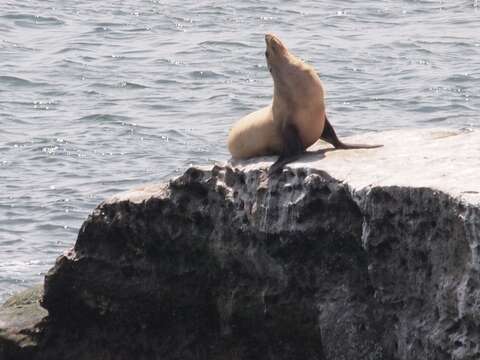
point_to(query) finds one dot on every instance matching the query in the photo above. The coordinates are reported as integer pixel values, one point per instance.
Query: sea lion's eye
(266, 54)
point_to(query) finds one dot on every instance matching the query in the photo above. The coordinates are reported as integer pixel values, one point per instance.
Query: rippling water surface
(97, 97)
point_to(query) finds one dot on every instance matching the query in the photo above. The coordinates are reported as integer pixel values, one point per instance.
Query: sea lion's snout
(274, 45)
(275, 51)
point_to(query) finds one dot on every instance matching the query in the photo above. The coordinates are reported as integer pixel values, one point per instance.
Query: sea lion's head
(282, 64)
(291, 76)
(276, 53)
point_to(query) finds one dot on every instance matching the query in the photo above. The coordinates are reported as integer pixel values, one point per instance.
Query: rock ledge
(345, 255)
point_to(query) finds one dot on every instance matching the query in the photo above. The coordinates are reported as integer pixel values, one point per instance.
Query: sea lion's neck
(282, 93)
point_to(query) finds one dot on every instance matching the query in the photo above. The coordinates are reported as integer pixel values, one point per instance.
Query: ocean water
(99, 97)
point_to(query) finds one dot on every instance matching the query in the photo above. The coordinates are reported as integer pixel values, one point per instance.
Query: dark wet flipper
(331, 137)
(281, 162)
(292, 148)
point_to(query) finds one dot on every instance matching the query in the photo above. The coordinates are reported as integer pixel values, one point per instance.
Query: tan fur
(298, 97)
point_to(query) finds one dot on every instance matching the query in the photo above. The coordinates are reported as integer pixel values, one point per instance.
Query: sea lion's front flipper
(292, 148)
(331, 137)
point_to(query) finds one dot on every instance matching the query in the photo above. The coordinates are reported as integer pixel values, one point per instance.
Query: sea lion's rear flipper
(292, 148)
(329, 134)
(331, 137)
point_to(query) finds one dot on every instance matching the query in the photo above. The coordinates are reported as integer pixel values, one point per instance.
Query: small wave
(442, 108)
(219, 96)
(110, 24)
(70, 49)
(159, 106)
(122, 84)
(132, 85)
(17, 46)
(166, 81)
(169, 61)
(205, 74)
(101, 29)
(50, 227)
(29, 20)
(104, 118)
(145, 28)
(137, 52)
(16, 81)
(88, 58)
(91, 92)
(16, 242)
(459, 43)
(456, 78)
(437, 119)
(225, 44)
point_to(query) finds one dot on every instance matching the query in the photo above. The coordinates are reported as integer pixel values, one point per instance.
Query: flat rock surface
(443, 159)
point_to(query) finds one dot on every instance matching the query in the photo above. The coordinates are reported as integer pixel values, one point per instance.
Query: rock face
(364, 259)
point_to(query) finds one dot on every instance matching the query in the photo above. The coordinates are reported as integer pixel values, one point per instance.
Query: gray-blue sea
(97, 97)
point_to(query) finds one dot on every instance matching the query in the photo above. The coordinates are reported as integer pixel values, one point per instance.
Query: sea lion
(294, 120)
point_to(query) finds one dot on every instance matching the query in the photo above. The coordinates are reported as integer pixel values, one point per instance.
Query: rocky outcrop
(21, 324)
(345, 255)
